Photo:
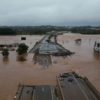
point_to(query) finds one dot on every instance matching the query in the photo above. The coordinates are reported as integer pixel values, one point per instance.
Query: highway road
(43, 40)
(40, 92)
(46, 47)
(75, 90)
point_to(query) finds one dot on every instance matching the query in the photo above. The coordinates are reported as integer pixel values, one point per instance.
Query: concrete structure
(74, 87)
(97, 45)
(41, 92)
(49, 45)
(48, 48)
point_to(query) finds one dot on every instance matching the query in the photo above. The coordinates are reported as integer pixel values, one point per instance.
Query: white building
(97, 45)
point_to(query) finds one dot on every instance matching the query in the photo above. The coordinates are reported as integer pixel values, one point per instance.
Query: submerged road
(48, 45)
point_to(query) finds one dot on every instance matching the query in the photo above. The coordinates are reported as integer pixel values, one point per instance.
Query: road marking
(51, 91)
(42, 88)
(81, 88)
(33, 94)
(61, 89)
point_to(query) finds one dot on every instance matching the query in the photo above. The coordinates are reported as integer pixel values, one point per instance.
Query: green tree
(22, 48)
(5, 53)
(7, 31)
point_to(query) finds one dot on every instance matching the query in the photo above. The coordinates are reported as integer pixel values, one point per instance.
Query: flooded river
(85, 62)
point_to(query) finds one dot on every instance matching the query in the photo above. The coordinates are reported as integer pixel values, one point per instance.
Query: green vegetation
(56, 92)
(22, 48)
(30, 31)
(42, 30)
(36, 44)
(7, 31)
(5, 53)
(20, 58)
(85, 30)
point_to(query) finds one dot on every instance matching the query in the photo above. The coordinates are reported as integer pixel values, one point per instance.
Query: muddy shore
(85, 62)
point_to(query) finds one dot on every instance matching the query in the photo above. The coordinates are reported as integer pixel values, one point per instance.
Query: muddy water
(85, 62)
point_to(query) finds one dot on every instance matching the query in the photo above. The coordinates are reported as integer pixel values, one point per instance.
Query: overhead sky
(49, 12)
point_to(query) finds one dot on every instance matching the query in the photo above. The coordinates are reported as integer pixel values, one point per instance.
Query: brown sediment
(85, 62)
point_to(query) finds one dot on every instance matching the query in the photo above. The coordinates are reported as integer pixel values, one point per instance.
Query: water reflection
(96, 55)
(5, 60)
(43, 60)
(22, 57)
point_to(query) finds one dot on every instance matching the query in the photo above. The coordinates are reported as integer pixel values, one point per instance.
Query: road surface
(48, 45)
(75, 90)
(42, 92)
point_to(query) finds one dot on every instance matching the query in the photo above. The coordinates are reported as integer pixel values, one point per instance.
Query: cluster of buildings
(97, 45)
(10, 47)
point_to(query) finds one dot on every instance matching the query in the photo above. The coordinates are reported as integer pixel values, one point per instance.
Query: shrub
(5, 53)
(22, 48)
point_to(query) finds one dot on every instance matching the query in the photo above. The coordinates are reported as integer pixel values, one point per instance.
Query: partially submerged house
(97, 45)
(78, 40)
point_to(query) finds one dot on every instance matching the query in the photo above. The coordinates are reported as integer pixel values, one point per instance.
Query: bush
(22, 48)
(5, 53)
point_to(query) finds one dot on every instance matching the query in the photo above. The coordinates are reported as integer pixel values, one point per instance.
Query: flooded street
(85, 62)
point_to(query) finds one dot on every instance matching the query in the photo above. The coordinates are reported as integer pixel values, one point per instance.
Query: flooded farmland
(85, 62)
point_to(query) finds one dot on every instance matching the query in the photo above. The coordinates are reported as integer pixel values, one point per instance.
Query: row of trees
(39, 30)
(84, 30)
(7, 31)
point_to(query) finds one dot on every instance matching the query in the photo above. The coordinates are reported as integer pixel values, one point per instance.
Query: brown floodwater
(85, 62)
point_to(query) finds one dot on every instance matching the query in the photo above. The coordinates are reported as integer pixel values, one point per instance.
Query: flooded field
(85, 62)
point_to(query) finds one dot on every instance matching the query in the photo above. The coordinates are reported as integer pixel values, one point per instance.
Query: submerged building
(97, 45)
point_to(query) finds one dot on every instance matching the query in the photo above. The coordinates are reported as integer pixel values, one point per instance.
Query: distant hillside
(7, 31)
(40, 30)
